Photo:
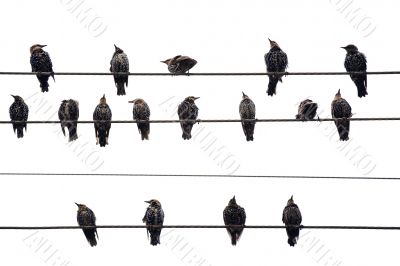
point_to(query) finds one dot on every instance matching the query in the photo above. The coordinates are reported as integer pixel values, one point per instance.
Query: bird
(292, 219)
(120, 63)
(356, 62)
(86, 217)
(141, 111)
(247, 110)
(180, 64)
(187, 110)
(154, 216)
(307, 110)
(341, 109)
(41, 62)
(276, 61)
(69, 111)
(19, 111)
(102, 116)
(234, 215)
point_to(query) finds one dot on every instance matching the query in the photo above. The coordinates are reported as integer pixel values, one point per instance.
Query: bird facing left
(86, 217)
(19, 112)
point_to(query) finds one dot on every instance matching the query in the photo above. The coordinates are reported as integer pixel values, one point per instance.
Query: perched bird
(69, 111)
(276, 61)
(86, 217)
(187, 110)
(102, 114)
(41, 62)
(141, 111)
(340, 108)
(292, 219)
(19, 111)
(180, 64)
(356, 62)
(247, 110)
(234, 215)
(154, 216)
(120, 63)
(307, 110)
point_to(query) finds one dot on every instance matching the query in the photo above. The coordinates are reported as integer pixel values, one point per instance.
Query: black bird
(102, 113)
(120, 63)
(41, 62)
(180, 64)
(141, 111)
(69, 111)
(292, 219)
(276, 61)
(341, 109)
(86, 217)
(356, 62)
(154, 216)
(234, 215)
(188, 110)
(307, 110)
(19, 111)
(247, 110)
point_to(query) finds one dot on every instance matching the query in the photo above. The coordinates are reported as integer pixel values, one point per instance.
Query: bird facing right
(276, 61)
(307, 110)
(102, 125)
(120, 63)
(68, 113)
(19, 111)
(292, 219)
(86, 217)
(154, 216)
(187, 110)
(179, 64)
(141, 111)
(341, 109)
(247, 110)
(41, 62)
(234, 215)
(356, 62)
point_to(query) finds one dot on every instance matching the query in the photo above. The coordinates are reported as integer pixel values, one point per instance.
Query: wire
(202, 74)
(204, 175)
(207, 120)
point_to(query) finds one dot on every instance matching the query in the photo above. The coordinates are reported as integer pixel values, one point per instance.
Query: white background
(223, 36)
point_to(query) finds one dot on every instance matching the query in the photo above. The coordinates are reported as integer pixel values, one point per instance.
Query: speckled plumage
(307, 110)
(19, 111)
(188, 110)
(276, 61)
(356, 62)
(234, 215)
(41, 62)
(292, 219)
(247, 110)
(180, 64)
(120, 63)
(340, 108)
(86, 217)
(69, 111)
(141, 111)
(154, 216)
(102, 112)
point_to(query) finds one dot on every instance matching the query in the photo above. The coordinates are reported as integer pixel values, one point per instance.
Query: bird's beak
(243, 94)
(13, 96)
(44, 45)
(147, 201)
(131, 101)
(234, 197)
(269, 40)
(343, 47)
(165, 61)
(195, 98)
(104, 95)
(77, 204)
(291, 197)
(338, 91)
(115, 46)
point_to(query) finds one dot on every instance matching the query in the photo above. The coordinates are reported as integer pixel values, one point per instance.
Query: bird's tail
(155, 237)
(90, 235)
(293, 234)
(20, 132)
(73, 131)
(234, 239)
(120, 88)
(273, 81)
(343, 128)
(249, 130)
(187, 131)
(144, 129)
(44, 84)
(102, 137)
(361, 83)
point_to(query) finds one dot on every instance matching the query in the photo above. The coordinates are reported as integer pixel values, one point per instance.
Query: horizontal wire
(263, 120)
(203, 175)
(202, 73)
(335, 227)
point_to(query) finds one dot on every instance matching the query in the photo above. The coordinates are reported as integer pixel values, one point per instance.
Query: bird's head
(167, 61)
(137, 101)
(338, 95)
(103, 99)
(153, 203)
(36, 47)
(350, 48)
(290, 201)
(81, 206)
(273, 43)
(244, 96)
(118, 50)
(232, 201)
(17, 98)
(191, 99)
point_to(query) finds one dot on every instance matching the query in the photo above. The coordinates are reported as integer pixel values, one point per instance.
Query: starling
(234, 215)
(188, 110)
(141, 111)
(276, 61)
(180, 64)
(247, 110)
(307, 110)
(356, 62)
(102, 116)
(41, 62)
(292, 219)
(154, 216)
(19, 111)
(120, 63)
(341, 109)
(86, 217)
(68, 113)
